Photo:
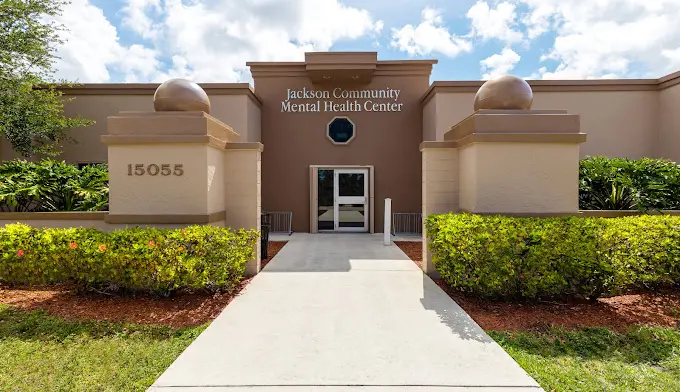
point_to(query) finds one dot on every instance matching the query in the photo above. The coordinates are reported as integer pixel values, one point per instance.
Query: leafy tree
(31, 107)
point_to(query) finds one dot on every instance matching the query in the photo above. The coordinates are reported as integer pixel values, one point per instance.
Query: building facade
(341, 131)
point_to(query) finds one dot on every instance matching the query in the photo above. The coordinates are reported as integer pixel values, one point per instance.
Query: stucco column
(166, 168)
(518, 162)
(439, 188)
(242, 201)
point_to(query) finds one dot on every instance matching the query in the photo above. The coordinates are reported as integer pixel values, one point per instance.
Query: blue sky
(210, 40)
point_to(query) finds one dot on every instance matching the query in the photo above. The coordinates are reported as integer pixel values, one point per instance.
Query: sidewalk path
(343, 312)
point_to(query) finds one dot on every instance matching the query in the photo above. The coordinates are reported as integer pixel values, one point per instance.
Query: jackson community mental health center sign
(341, 100)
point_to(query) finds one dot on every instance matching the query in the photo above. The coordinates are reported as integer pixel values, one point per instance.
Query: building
(341, 131)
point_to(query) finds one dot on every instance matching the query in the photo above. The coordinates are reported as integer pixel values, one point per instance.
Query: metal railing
(407, 223)
(280, 221)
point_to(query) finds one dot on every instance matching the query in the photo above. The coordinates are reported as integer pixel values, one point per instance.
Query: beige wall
(430, 120)
(468, 177)
(440, 187)
(668, 144)
(450, 109)
(242, 196)
(618, 123)
(519, 177)
(89, 147)
(237, 109)
(131, 195)
(237, 112)
(216, 186)
(242, 178)
(440, 175)
(254, 133)
(631, 118)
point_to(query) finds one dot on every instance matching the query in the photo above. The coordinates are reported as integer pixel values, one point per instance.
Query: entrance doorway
(341, 199)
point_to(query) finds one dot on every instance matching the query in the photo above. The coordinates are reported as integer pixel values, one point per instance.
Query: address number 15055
(164, 169)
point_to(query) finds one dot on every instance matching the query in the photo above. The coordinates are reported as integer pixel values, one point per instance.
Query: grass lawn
(597, 359)
(43, 353)
(39, 352)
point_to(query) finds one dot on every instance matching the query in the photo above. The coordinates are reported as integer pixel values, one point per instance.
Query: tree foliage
(31, 107)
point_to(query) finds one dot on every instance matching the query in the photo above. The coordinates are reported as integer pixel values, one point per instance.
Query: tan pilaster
(439, 188)
(243, 191)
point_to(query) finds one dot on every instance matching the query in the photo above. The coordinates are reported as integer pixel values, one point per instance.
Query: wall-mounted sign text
(340, 100)
(164, 169)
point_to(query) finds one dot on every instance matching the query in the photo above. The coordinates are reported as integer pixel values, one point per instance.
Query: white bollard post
(388, 222)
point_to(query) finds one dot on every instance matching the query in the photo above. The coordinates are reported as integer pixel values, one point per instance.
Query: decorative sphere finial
(180, 95)
(506, 92)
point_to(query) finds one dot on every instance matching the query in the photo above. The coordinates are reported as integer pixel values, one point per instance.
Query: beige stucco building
(342, 131)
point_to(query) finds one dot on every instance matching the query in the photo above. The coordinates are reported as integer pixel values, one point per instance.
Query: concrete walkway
(342, 312)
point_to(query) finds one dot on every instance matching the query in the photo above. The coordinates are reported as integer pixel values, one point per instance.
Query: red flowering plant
(16, 245)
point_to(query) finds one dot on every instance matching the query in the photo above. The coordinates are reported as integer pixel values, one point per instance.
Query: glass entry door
(342, 200)
(351, 199)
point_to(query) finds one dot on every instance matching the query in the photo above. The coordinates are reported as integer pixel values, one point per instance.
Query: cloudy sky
(210, 40)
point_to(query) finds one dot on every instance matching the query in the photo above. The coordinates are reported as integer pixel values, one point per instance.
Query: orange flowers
(102, 247)
(72, 245)
(20, 253)
(152, 243)
(181, 248)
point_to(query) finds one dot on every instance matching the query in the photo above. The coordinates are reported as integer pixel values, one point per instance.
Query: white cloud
(136, 17)
(499, 23)
(206, 40)
(139, 64)
(607, 38)
(673, 56)
(379, 25)
(429, 37)
(92, 49)
(500, 63)
(212, 40)
(537, 74)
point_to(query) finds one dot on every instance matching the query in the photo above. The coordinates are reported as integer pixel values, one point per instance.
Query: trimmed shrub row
(502, 257)
(159, 261)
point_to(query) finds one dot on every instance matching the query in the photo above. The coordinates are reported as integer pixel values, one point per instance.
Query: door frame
(338, 200)
(314, 197)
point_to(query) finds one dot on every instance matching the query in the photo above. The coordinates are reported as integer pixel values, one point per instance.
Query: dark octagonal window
(341, 130)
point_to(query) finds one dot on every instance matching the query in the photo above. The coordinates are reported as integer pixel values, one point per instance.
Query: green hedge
(629, 184)
(158, 261)
(49, 185)
(495, 256)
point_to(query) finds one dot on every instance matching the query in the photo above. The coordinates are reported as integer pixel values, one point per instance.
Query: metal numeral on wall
(153, 169)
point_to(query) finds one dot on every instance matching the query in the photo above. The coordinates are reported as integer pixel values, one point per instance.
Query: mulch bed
(272, 249)
(182, 310)
(618, 313)
(660, 309)
(413, 250)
